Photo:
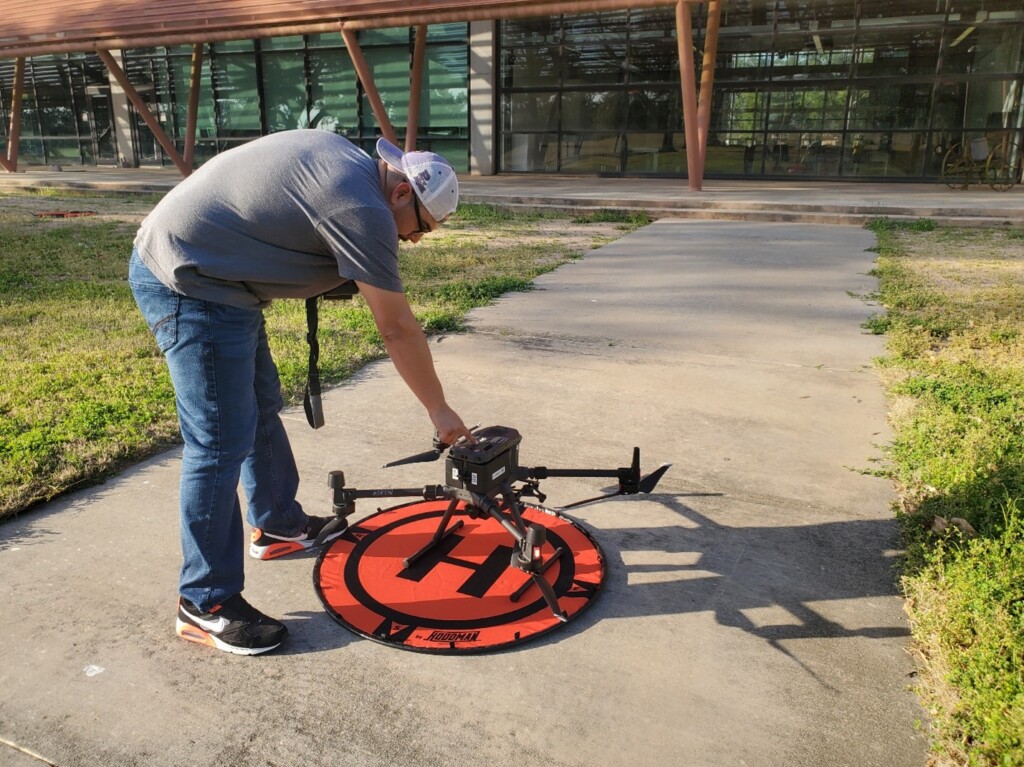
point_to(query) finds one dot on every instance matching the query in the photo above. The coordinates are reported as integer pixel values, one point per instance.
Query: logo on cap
(422, 179)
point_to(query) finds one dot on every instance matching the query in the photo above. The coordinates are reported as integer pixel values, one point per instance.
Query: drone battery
(481, 467)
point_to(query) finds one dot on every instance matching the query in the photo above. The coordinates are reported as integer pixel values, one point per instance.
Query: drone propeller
(427, 457)
(630, 481)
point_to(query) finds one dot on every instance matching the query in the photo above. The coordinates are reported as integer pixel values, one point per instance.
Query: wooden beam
(144, 112)
(176, 25)
(193, 108)
(415, 88)
(10, 163)
(684, 37)
(483, 11)
(707, 77)
(366, 78)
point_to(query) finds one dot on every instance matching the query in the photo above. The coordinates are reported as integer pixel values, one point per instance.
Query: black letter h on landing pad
(484, 575)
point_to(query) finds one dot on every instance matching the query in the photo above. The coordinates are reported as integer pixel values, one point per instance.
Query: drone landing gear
(443, 531)
(530, 540)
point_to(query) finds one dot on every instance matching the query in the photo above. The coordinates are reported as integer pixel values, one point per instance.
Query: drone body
(483, 466)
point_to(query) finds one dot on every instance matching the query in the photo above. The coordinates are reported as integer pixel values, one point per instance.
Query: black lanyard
(311, 399)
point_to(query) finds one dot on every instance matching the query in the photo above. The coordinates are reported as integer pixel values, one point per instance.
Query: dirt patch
(124, 208)
(962, 261)
(569, 236)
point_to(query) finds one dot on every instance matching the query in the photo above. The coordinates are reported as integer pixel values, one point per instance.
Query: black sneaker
(233, 626)
(268, 545)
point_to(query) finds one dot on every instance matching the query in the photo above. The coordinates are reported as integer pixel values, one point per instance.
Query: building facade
(850, 89)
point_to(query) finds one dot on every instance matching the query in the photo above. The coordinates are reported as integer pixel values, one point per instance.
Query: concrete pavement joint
(27, 752)
(547, 343)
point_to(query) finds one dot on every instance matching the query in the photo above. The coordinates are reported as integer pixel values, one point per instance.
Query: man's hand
(407, 347)
(450, 427)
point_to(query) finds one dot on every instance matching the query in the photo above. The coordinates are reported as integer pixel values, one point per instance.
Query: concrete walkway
(751, 615)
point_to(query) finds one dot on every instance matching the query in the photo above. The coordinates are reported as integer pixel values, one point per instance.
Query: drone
(485, 477)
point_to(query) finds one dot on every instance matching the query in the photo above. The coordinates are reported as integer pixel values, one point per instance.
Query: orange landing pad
(461, 596)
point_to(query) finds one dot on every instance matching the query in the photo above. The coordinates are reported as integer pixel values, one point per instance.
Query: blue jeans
(228, 397)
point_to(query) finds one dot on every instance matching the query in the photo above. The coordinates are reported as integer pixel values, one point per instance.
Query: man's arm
(407, 345)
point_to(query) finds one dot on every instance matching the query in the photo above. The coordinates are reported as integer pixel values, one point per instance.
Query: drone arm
(427, 493)
(345, 497)
(629, 477)
(543, 472)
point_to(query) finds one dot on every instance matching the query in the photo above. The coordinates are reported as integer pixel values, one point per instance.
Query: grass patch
(85, 389)
(629, 217)
(955, 376)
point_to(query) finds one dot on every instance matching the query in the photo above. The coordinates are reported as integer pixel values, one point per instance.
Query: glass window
(594, 110)
(455, 151)
(393, 36)
(179, 73)
(740, 67)
(816, 54)
(447, 33)
(653, 60)
(651, 109)
(444, 105)
(325, 40)
(592, 153)
(652, 23)
(992, 105)
(979, 49)
(726, 157)
(889, 106)
(6, 85)
(906, 13)
(63, 149)
(233, 46)
(516, 33)
(741, 114)
(948, 107)
(655, 152)
(897, 52)
(50, 88)
(595, 27)
(284, 91)
(539, 65)
(332, 81)
(530, 152)
(803, 109)
(289, 43)
(238, 105)
(390, 66)
(531, 111)
(815, 154)
(603, 63)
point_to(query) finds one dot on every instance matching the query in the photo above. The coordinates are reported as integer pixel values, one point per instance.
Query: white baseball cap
(432, 177)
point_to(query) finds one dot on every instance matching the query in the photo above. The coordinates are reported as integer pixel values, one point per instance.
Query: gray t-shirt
(289, 215)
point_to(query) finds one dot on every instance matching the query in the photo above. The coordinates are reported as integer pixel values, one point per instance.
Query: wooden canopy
(40, 27)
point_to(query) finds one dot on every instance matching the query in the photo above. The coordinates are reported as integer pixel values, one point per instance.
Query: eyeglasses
(419, 220)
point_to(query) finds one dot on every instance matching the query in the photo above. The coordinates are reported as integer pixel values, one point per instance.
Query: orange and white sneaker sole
(275, 549)
(195, 634)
